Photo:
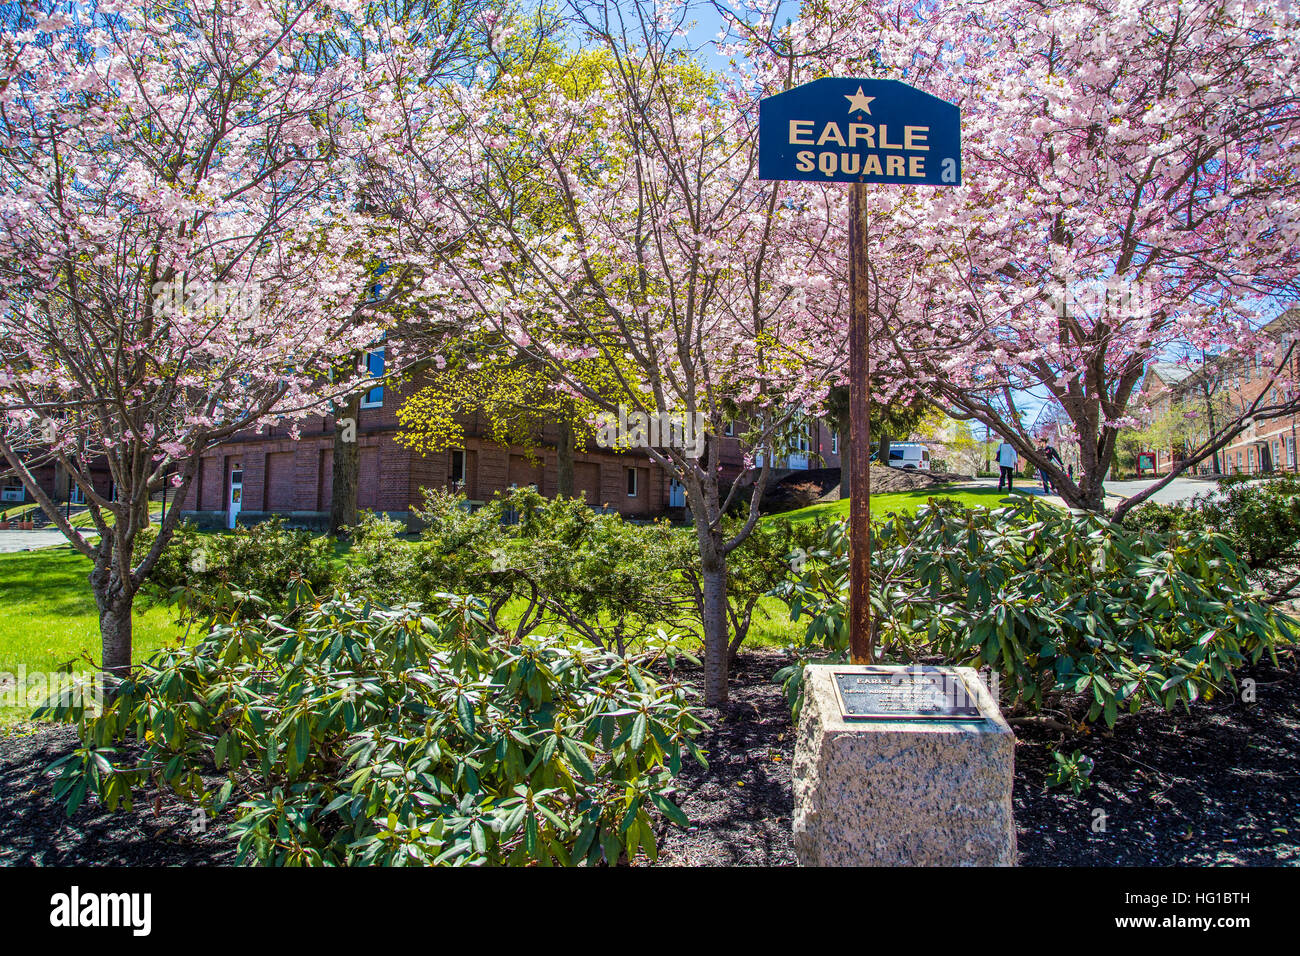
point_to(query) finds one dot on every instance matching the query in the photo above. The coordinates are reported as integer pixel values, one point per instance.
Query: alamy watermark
(1102, 300)
(39, 689)
(187, 297)
(77, 908)
(655, 429)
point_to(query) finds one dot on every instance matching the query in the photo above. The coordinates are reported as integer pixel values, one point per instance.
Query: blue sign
(859, 131)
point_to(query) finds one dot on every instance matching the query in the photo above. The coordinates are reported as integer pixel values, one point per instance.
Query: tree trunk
(564, 459)
(114, 603)
(115, 634)
(1209, 418)
(706, 506)
(716, 651)
(347, 465)
(882, 453)
(1092, 491)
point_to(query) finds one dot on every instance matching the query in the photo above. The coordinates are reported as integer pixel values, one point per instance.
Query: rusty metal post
(860, 633)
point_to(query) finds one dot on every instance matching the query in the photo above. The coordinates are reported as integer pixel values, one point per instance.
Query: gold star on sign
(858, 101)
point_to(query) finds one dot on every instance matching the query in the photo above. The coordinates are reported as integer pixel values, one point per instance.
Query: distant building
(1164, 385)
(1226, 386)
(258, 474)
(53, 479)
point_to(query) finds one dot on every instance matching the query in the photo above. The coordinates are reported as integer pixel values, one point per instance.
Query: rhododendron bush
(345, 733)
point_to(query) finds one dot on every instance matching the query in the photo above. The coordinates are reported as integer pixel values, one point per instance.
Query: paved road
(30, 540)
(1178, 490)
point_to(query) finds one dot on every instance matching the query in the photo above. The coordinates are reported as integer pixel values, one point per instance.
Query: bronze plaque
(914, 693)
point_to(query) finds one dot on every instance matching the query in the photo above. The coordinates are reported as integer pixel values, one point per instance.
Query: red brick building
(1267, 445)
(54, 481)
(255, 475)
(1229, 385)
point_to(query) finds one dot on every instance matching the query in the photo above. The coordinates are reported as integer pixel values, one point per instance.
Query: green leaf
(465, 713)
(578, 759)
(670, 810)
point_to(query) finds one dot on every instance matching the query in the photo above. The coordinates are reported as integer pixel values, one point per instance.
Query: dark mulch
(741, 805)
(35, 831)
(1218, 786)
(1214, 787)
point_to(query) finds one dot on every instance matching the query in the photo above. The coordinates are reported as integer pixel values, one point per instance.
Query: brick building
(1165, 384)
(1229, 384)
(255, 475)
(54, 481)
(1268, 445)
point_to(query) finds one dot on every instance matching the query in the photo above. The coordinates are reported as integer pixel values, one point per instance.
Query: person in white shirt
(1007, 459)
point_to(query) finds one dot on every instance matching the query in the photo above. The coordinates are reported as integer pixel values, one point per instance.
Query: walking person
(1007, 459)
(1049, 454)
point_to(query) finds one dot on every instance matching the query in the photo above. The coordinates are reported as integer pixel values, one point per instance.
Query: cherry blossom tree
(1129, 188)
(180, 258)
(700, 289)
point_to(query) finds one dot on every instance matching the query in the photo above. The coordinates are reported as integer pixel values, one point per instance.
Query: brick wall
(293, 477)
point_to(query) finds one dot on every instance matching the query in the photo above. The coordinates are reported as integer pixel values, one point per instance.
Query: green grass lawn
(899, 502)
(48, 617)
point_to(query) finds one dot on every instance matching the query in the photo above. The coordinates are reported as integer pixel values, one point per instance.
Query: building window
(631, 482)
(1250, 457)
(730, 430)
(13, 491)
(374, 398)
(457, 476)
(835, 443)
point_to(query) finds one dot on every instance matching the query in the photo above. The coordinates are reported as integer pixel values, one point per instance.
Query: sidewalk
(1031, 486)
(11, 541)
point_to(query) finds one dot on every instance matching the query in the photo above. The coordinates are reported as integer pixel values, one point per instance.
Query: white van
(910, 456)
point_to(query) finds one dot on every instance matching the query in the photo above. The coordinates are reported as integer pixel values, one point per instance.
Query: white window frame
(463, 478)
(835, 443)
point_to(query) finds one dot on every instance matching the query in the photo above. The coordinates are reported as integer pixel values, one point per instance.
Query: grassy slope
(898, 502)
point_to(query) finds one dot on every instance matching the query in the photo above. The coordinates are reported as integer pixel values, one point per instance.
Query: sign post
(859, 132)
(893, 765)
(861, 634)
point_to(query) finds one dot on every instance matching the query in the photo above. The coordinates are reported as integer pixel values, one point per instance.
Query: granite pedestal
(901, 790)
